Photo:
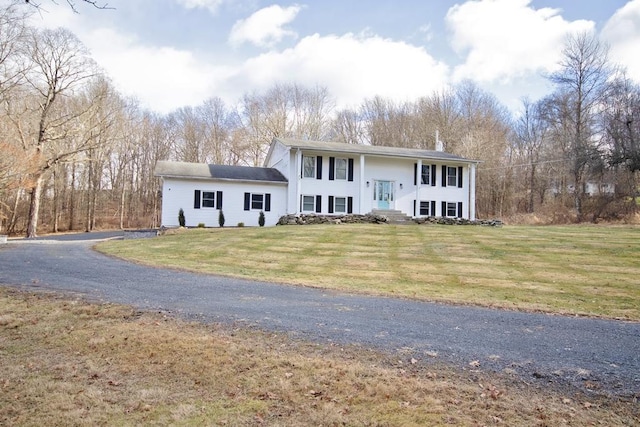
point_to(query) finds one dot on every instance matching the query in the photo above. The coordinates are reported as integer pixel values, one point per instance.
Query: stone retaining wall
(140, 234)
(309, 219)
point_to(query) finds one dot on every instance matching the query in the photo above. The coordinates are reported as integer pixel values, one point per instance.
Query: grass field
(65, 362)
(577, 270)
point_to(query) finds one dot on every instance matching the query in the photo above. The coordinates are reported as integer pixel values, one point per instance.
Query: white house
(326, 178)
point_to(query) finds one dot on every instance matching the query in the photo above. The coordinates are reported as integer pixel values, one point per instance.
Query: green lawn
(585, 270)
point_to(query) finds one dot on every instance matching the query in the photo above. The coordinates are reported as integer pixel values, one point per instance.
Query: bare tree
(530, 134)
(285, 110)
(61, 64)
(72, 4)
(582, 79)
(347, 127)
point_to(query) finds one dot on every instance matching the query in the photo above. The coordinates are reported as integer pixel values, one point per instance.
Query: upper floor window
(452, 176)
(426, 173)
(341, 168)
(312, 167)
(308, 166)
(425, 176)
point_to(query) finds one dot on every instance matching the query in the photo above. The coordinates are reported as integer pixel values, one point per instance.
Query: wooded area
(77, 155)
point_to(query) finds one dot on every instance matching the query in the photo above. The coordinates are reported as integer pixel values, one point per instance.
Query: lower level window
(425, 208)
(257, 201)
(452, 209)
(208, 199)
(340, 205)
(309, 203)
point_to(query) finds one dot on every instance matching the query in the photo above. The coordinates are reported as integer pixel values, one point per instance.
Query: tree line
(77, 155)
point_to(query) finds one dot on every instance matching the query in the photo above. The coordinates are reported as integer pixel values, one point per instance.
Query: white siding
(179, 193)
(324, 187)
(399, 171)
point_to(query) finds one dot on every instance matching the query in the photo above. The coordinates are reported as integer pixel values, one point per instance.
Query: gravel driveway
(597, 356)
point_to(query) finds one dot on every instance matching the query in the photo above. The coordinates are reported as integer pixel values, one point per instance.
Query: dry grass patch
(66, 362)
(585, 270)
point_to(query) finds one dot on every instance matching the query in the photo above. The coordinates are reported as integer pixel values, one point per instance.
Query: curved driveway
(595, 355)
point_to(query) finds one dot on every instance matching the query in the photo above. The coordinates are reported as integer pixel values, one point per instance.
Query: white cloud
(211, 5)
(266, 27)
(622, 32)
(505, 39)
(351, 67)
(162, 78)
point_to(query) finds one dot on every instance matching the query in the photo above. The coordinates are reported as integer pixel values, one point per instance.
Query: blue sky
(174, 53)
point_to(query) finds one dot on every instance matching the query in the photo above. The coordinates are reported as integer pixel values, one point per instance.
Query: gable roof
(374, 150)
(221, 172)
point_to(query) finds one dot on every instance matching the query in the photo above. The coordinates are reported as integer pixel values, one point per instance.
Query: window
(257, 202)
(452, 209)
(427, 174)
(341, 169)
(425, 177)
(308, 203)
(452, 176)
(308, 167)
(425, 208)
(340, 204)
(207, 199)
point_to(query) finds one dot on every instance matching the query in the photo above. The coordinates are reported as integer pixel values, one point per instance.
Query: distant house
(325, 178)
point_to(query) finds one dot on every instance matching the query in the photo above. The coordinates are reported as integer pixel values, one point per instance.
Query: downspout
(472, 191)
(298, 172)
(363, 189)
(416, 206)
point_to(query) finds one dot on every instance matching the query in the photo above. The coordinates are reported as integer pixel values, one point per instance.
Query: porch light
(367, 183)
(401, 186)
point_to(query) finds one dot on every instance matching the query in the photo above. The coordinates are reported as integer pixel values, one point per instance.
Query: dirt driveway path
(600, 356)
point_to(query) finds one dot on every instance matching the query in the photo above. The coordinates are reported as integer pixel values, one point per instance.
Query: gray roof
(375, 150)
(222, 172)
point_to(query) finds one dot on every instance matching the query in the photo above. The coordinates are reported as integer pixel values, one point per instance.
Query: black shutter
(332, 165)
(247, 201)
(318, 204)
(301, 203)
(459, 209)
(415, 177)
(432, 211)
(444, 175)
(267, 202)
(349, 204)
(330, 204)
(196, 199)
(350, 170)
(414, 207)
(459, 176)
(219, 199)
(444, 209)
(433, 175)
(319, 167)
